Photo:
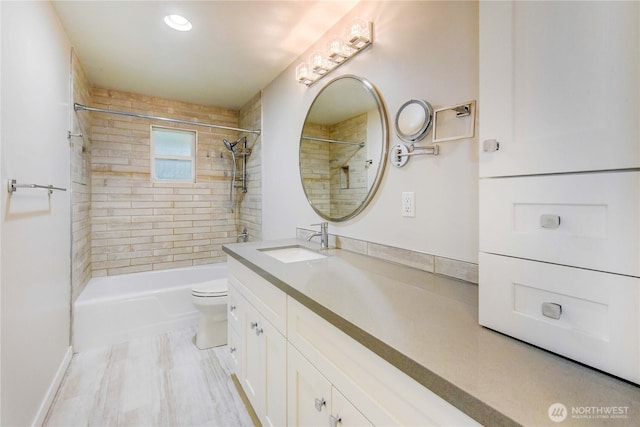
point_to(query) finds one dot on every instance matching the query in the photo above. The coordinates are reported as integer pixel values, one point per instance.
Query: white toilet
(210, 298)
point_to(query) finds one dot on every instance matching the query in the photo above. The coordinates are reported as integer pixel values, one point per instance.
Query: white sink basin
(289, 254)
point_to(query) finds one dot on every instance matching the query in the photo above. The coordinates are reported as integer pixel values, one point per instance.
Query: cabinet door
(275, 372)
(559, 86)
(254, 381)
(309, 393)
(344, 413)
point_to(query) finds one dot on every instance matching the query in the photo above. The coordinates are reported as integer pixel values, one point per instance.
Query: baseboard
(53, 389)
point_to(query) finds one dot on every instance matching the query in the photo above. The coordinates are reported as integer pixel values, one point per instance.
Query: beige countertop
(427, 326)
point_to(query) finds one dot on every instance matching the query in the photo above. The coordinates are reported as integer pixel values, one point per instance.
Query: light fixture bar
(358, 36)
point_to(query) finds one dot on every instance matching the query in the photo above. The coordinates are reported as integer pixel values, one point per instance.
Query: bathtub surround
(140, 225)
(163, 380)
(250, 203)
(80, 180)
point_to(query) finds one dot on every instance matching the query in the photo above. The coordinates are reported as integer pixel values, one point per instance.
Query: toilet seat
(214, 288)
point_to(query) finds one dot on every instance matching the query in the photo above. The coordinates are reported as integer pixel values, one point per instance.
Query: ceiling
(234, 49)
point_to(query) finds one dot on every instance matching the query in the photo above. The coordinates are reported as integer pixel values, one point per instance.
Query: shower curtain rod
(79, 107)
(335, 141)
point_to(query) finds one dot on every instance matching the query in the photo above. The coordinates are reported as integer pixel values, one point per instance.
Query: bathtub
(115, 309)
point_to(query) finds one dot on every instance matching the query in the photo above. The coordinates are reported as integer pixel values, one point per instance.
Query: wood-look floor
(157, 381)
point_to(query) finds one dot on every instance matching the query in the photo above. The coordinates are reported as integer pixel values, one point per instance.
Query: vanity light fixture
(178, 22)
(338, 49)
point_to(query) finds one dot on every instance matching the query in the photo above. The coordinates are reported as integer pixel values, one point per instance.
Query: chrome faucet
(244, 236)
(323, 233)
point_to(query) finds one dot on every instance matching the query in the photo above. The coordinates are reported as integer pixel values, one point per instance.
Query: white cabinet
(298, 370)
(260, 350)
(581, 220)
(374, 389)
(559, 86)
(560, 197)
(313, 400)
(586, 315)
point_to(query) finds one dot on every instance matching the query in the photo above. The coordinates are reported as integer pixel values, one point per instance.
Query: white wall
(426, 50)
(35, 237)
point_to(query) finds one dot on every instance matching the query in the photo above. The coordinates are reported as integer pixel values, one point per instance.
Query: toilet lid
(212, 288)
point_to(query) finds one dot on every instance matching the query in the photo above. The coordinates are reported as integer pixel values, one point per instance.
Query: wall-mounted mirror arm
(335, 141)
(400, 153)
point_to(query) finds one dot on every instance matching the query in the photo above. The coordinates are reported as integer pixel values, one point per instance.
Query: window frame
(154, 156)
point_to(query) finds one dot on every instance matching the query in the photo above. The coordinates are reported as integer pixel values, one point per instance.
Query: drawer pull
(334, 421)
(232, 308)
(490, 145)
(259, 331)
(254, 325)
(550, 221)
(552, 310)
(319, 403)
(232, 349)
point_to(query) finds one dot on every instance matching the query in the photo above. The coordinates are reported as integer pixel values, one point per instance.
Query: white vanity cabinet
(559, 85)
(257, 311)
(360, 387)
(313, 400)
(559, 180)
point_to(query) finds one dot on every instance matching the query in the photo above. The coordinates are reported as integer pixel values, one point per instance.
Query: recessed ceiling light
(177, 22)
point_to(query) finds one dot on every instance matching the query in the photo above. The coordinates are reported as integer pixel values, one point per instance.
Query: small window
(173, 154)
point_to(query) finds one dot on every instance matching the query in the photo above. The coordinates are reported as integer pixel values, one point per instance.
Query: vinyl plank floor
(164, 380)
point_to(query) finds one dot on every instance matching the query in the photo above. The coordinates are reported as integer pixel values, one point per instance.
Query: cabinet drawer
(390, 397)
(588, 316)
(583, 220)
(270, 301)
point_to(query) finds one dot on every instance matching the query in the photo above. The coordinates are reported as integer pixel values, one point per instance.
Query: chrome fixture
(464, 115)
(413, 120)
(80, 107)
(244, 152)
(12, 186)
(323, 233)
(358, 35)
(74, 135)
(244, 236)
(400, 153)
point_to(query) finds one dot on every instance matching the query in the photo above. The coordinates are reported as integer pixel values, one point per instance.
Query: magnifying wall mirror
(343, 147)
(413, 120)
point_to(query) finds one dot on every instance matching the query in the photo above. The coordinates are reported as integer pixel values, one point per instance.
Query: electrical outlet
(408, 204)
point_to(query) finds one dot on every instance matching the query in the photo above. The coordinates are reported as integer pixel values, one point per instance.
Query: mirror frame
(383, 155)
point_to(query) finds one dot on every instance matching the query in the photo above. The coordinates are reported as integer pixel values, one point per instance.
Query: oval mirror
(342, 148)
(413, 120)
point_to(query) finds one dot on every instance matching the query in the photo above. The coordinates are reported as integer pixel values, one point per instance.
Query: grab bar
(12, 186)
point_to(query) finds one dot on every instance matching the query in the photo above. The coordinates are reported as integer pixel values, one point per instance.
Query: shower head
(230, 145)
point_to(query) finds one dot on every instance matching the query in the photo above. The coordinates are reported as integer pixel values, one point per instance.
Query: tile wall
(250, 209)
(80, 182)
(139, 225)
